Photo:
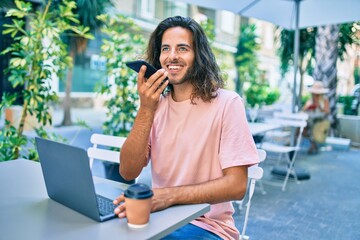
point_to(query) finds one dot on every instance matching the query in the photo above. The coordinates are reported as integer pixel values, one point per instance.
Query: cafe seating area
(316, 208)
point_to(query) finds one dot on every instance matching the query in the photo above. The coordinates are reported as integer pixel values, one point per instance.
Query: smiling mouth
(174, 67)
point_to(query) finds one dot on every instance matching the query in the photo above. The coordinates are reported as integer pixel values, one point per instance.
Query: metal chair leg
(290, 169)
(263, 192)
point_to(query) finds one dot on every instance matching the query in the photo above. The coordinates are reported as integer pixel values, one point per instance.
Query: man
(195, 135)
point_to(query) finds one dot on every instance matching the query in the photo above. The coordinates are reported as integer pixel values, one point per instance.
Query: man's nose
(174, 54)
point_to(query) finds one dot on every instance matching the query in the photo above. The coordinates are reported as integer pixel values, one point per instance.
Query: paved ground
(325, 207)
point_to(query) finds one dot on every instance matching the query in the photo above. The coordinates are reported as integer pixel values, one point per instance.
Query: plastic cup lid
(138, 191)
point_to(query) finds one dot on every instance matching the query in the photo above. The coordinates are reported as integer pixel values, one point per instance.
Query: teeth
(174, 67)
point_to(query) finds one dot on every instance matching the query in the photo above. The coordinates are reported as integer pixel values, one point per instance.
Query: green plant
(271, 96)
(305, 98)
(357, 75)
(10, 142)
(347, 102)
(246, 59)
(250, 78)
(261, 95)
(124, 43)
(38, 55)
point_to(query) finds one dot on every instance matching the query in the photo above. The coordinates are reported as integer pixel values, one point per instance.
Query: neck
(181, 92)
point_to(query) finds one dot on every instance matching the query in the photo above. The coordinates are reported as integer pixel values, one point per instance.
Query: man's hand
(150, 89)
(160, 200)
(120, 210)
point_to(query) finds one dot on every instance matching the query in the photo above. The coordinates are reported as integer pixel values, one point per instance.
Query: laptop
(69, 181)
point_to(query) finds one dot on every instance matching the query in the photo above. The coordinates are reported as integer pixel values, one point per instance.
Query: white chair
(106, 148)
(288, 122)
(254, 173)
(262, 157)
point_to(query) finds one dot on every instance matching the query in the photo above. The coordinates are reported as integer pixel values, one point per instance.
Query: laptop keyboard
(106, 205)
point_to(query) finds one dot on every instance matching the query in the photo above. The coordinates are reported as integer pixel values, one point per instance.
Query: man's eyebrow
(179, 45)
(184, 45)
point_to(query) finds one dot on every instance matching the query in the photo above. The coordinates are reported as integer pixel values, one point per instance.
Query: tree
(306, 53)
(87, 11)
(308, 38)
(331, 42)
(38, 55)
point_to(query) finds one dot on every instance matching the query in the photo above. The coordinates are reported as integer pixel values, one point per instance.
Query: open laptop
(69, 181)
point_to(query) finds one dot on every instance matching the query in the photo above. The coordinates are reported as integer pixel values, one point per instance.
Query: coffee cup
(138, 205)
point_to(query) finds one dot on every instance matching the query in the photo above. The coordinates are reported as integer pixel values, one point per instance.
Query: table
(28, 213)
(257, 128)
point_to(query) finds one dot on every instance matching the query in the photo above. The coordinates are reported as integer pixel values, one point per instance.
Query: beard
(186, 78)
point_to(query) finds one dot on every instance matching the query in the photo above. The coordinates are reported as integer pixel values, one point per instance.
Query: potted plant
(38, 56)
(348, 116)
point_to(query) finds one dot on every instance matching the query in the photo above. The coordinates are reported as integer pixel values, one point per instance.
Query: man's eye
(165, 49)
(182, 49)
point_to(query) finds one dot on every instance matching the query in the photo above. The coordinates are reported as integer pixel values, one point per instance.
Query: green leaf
(10, 30)
(15, 13)
(25, 40)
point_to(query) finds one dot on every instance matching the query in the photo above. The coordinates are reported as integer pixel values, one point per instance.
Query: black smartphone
(136, 65)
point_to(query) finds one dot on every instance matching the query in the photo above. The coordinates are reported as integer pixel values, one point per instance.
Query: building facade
(89, 68)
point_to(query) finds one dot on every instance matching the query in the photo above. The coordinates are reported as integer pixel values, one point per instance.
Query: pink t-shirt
(191, 144)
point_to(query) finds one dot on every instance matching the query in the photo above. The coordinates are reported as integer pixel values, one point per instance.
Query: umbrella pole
(296, 55)
(295, 104)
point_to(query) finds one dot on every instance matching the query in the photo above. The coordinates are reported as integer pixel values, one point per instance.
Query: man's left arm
(231, 186)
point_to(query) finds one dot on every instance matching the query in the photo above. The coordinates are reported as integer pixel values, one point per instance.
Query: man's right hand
(150, 89)
(120, 210)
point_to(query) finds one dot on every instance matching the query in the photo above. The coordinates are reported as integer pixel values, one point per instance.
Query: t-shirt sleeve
(237, 146)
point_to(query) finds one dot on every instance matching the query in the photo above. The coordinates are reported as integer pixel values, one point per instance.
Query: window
(174, 8)
(97, 62)
(227, 22)
(147, 8)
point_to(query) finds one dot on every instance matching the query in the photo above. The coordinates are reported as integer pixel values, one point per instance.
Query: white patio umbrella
(291, 15)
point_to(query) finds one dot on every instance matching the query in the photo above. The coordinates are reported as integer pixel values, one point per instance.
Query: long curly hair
(205, 73)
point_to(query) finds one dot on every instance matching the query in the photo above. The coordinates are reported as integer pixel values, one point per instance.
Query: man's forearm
(232, 186)
(133, 154)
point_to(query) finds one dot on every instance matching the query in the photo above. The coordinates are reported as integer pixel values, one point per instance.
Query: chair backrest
(290, 119)
(261, 154)
(107, 141)
(106, 148)
(294, 120)
(254, 173)
(293, 116)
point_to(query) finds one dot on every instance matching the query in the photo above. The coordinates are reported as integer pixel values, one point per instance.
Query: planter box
(338, 143)
(13, 115)
(350, 128)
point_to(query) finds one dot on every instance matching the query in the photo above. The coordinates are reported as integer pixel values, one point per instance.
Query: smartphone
(136, 65)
